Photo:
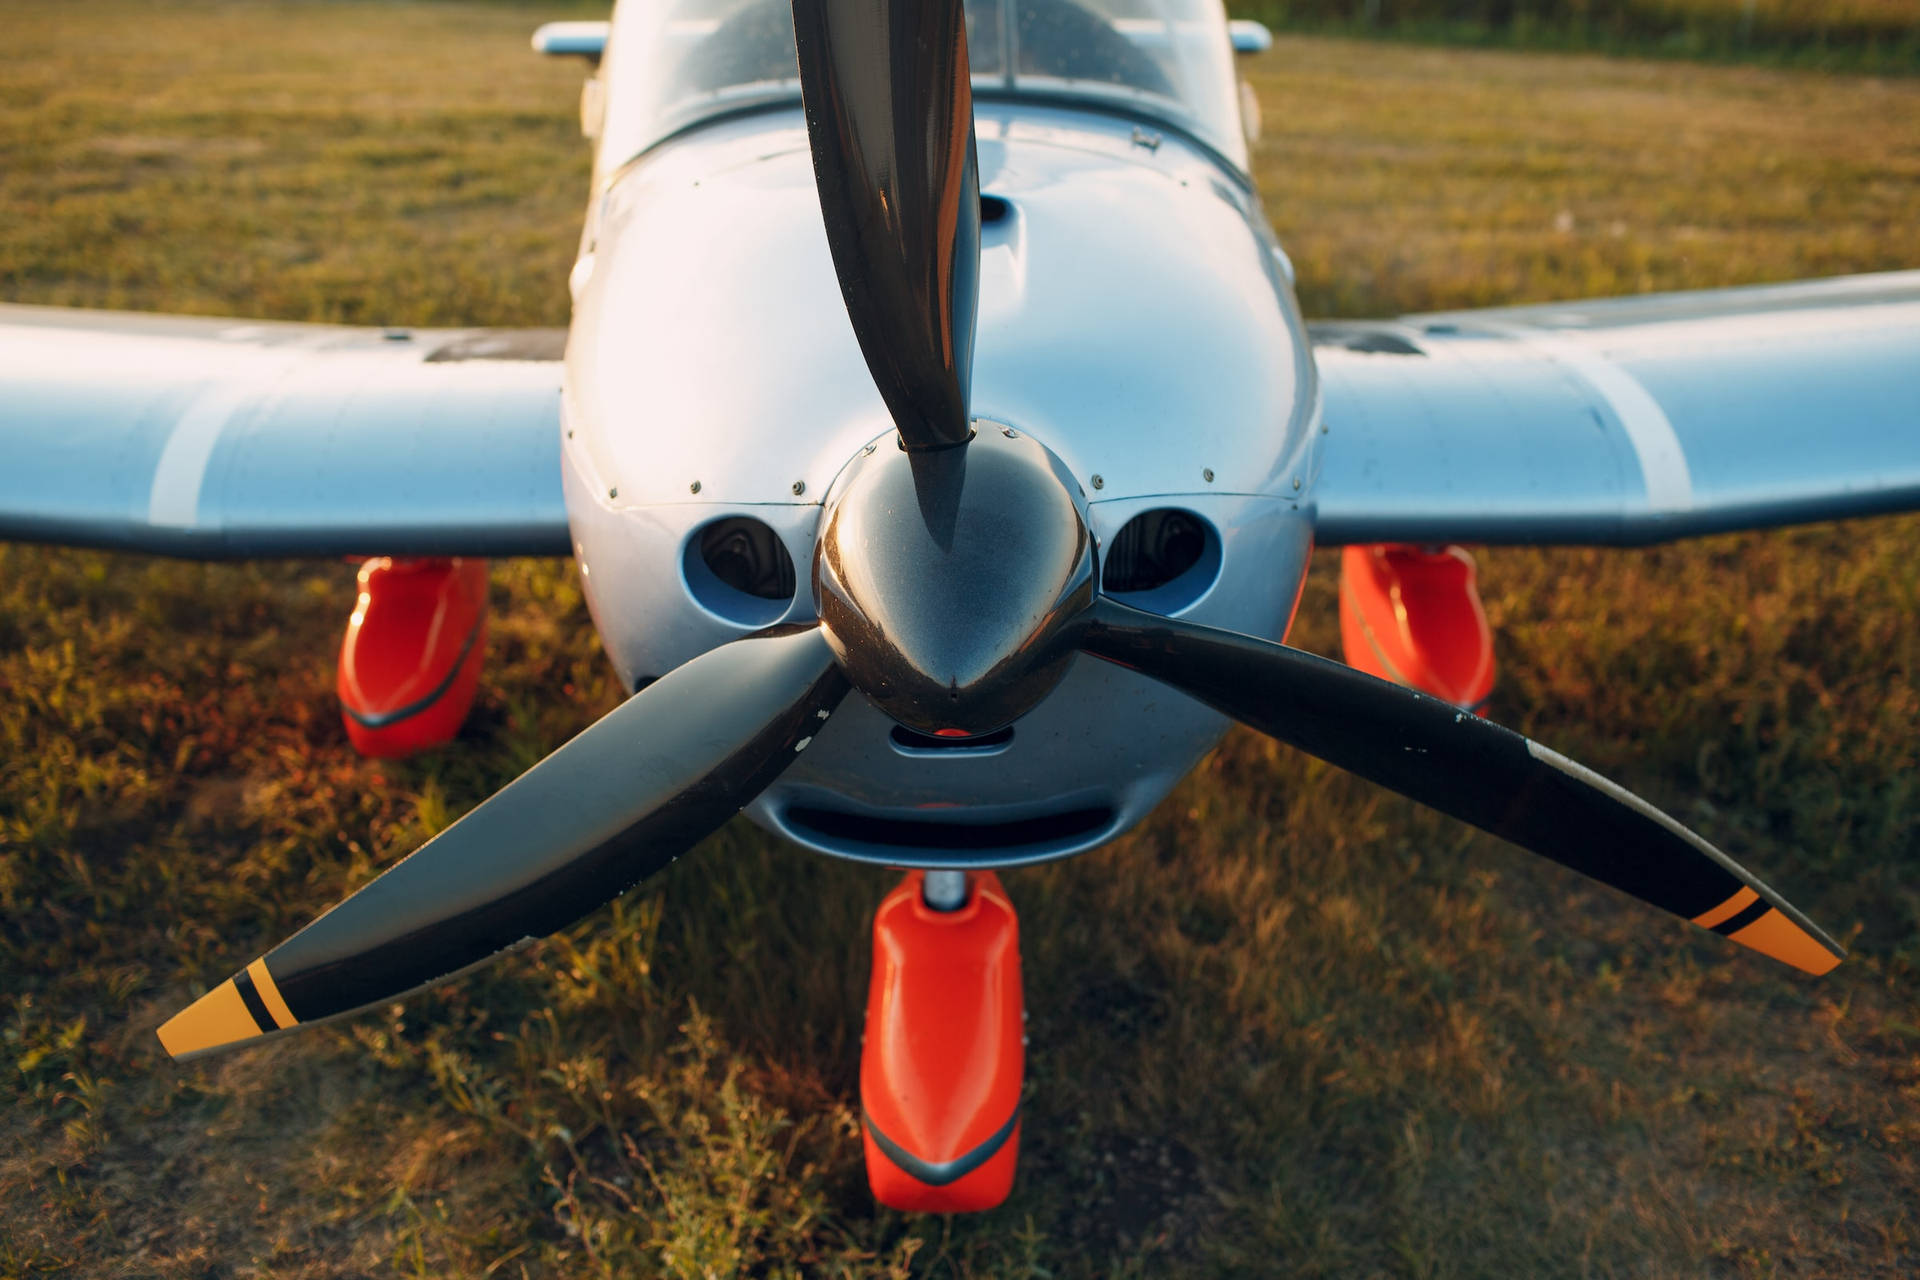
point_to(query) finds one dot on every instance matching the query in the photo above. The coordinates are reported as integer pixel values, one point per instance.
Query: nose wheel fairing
(944, 1053)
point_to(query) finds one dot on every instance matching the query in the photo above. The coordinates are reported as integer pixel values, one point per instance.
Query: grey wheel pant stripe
(945, 1171)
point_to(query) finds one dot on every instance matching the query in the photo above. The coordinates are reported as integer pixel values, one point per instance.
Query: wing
(1626, 421)
(217, 438)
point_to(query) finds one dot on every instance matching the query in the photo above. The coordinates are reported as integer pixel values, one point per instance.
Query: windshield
(681, 61)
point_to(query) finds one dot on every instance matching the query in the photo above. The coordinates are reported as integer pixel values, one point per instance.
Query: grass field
(1292, 1025)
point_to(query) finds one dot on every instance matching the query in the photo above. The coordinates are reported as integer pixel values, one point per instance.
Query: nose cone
(945, 579)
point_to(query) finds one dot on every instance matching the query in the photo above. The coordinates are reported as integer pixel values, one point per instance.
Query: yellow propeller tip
(216, 1019)
(244, 1007)
(1773, 934)
(1766, 929)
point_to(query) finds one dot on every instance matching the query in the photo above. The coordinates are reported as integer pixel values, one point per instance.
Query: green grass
(1292, 1025)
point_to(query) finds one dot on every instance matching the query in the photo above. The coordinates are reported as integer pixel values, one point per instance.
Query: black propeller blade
(624, 798)
(1460, 764)
(890, 117)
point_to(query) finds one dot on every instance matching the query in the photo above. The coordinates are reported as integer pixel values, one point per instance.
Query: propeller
(889, 105)
(955, 587)
(1454, 761)
(956, 598)
(624, 798)
(890, 117)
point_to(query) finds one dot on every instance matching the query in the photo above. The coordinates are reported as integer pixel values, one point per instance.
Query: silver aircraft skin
(1176, 378)
(1136, 316)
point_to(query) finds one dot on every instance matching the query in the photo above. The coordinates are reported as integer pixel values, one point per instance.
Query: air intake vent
(1162, 561)
(1153, 549)
(749, 557)
(739, 569)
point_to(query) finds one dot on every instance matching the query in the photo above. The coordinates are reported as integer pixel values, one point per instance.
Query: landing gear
(945, 1047)
(1413, 615)
(411, 660)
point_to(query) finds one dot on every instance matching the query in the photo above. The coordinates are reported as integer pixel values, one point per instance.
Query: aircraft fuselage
(1135, 316)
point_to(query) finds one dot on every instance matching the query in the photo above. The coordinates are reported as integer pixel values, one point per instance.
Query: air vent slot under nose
(1163, 560)
(739, 569)
(957, 838)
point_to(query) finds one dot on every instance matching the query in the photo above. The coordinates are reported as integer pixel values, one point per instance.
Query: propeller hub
(947, 579)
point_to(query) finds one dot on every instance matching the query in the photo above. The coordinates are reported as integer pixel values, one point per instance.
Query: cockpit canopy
(679, 63)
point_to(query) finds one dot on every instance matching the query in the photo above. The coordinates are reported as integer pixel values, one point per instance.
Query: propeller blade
(890, 118)
(618, 802)
(1460, 764)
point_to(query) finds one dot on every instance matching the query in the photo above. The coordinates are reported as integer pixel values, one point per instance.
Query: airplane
(941, 447)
